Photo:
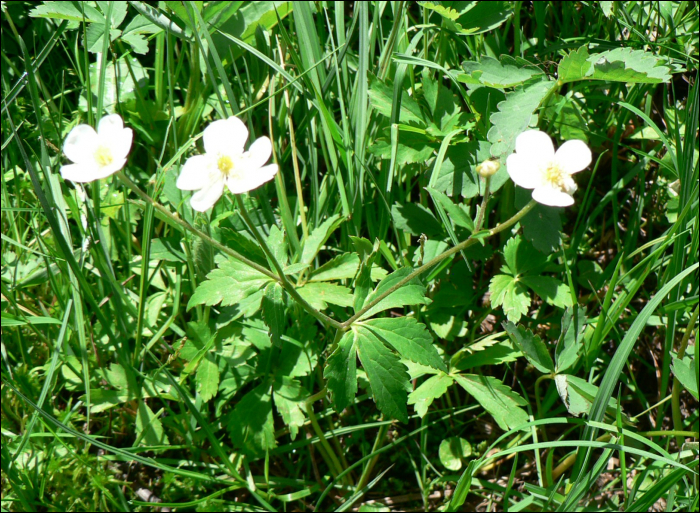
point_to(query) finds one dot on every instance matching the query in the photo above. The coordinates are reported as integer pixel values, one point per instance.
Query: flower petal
(535, 145)
(258, 154)
(81, 144)
(205, 198)
(225, 136)
(552, 197)
(574, 156)
(523, 171)
(249, 180)
(195, 174)
(105, 171)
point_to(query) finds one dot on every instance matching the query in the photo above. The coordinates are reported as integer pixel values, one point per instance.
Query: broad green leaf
(578, 395)
(433, 388)
(207, 377)
(413, 293)
(313, 244)
(684, 370)
(570, 345)
(531, 346)
(589, 275)
(319, 294)
(278, 245)
(512, 295)
(381, 97)
(363, 281)
(387, 375)
(498, 399)
(550, 289)
(290, 399)
(409, 338)
(618, 65)
(250, 423)
(229, 284)
(487, 352)
(133, 33)
(542, 225)
(341, 267)
(452, 451)
(492, 73)
(471, 17)
(411, 148)
(67, 11)
(416, 219)
(120, 81)
(149, 428)
(341, 372)
(273, 310)
(457, 175)
(457, 214)
(521, 256)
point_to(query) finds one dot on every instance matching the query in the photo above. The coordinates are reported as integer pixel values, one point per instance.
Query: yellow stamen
(554, 175)
(103, 156)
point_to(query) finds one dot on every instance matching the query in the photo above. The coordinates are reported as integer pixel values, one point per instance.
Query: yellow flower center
(555, 175)
(225, 164)
(103, 156)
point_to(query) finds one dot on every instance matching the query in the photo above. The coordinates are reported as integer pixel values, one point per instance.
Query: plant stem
(334, 464)
(676, 394)
(442, 256)
(367, 472)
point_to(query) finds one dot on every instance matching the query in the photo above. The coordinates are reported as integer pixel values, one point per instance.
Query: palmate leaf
(250, 423)
(320, 294)
(413, 293)
(498, 399)
(511, 294)
(228, 284)
(492, 73)
(618, 65)
(341, 372)
(433, 388)
(289, 397)
(339, 268)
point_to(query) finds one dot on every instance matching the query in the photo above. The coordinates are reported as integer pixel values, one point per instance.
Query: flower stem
(442, 256)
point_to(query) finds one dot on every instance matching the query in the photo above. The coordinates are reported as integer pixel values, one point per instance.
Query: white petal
(81, 173)
(110, 125)
(574, 156)
(534, 145)
(552, 197)
(105, 171)
(225, 136)
(205, 198)
(114, 136)
(251, 179)
(523, 171)
(258, 154)
(195, 173)
(81, 144)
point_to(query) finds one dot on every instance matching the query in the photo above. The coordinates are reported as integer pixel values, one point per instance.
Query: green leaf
(578, 395)
(409, 338)
(67, 11)
(250, 423)
(570, 345)
(341, 372)
(229, 284)
(531, 346)
(589, 275)
(207, 377)
(278, 245)
(410, 149)
(381, 97)
(149, 428)
(413, 293)
(319, 294)
(273, 311)
(509, 293)
(457, 176)
(363, 281)
(387, 375)
(521, 256)
(290, 399)
(416, 219)
(618, 65)
(471, 17)
(550, 289)
(486, 352)
(341, 267)
(457, 214)
(313, 244)
(433, 388)
(133, 33)
(542, 225)
(498, 399)
(452, 451)
(684, 370)
(492, 73)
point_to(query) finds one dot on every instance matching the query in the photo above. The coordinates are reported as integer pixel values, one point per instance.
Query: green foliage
(618, 65)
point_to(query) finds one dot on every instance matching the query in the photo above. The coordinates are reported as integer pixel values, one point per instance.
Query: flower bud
(488, 168)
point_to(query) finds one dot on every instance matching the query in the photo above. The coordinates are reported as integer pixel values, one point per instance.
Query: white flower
(98, 154)
(535, 165)
(225, 163)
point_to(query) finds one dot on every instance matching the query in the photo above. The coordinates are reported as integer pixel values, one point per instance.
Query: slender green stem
(334, 463)
(459, 247)
(537, 393)
(367, 472)
(676, 394)
(484, 203)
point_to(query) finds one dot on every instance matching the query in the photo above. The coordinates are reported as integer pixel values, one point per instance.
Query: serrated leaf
(313, 244)
(492, 73)
(341, 372)
(273, 311)
(229, 284)
(570, 345)
(617, 65)
(457, 176)
(521, 256)
(471, 17)
(339, 268)
(498, 399)
(458, 215)
(207, 378)
(512, 295)
(319, 294)
(532, 347)
(495, 353)
(250, 423)
(413, 293)
(684, 371)
(133, 33)
(278, 245)
(67, 11)
(550, 289)
(433, 388)
(149, 428)
(387, 375)
(578, 395)
(410, 149)
(381, 97)
(290, 399)
(409, 338)
(416, 219)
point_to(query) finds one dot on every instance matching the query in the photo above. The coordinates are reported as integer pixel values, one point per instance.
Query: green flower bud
(488, 168)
